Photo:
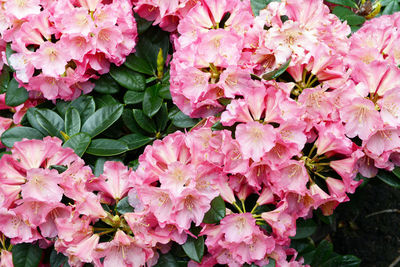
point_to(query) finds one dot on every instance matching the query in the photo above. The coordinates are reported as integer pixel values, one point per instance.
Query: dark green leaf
(164, 92)
(59, 168)
(151, 101)
(15, 134)
(130, 123)
(85, 105)
(105, 100)
(276, 73)
(58, 259)
(79, 143)
(50, 121)
(354, 20)
(217, 126)
(183, 121)
(15, 95)
(389, 178)
(138, 64)
(31, 117)
(127, 78)
(304, 228)
(346, 14)
(216, 212)
(106, 85)
(257, 5)
(144, 122)
(106, 147)
(342, 261)
(162, 118)
(322, 253)
(142, 24)
(102, 119)
(271, 263)
(4, 80)
(166, 260)
(149, 45)
(72, 121)
(124, 207)
(133, 97)
(396, 172)
(26, 255)
(391, 7)
(348, 3)
(194, 248)
(135, 140)
(62, 107)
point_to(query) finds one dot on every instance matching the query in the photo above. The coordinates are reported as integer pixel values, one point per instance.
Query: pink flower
(42, 185)
(51, 58)
(22, 8)
(255, 139)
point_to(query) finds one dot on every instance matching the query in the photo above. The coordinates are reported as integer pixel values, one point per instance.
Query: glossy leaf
(123, 206)
(389, 178)
(144, 121)
(50, 121)
(9, 52)
(58, 259)
(127, 78)
(15, 134)
(183, 121)
(304, 228)
(26, 255)
(162, 118)
(135, 140)
(130, 122)
(276, 73)
(194, 248)
(102, 119)
(217, 211)
(4, 80)
(15, 95)
(151, 101)
(138, 64)
(133, 97)
(106, 147)
(72, 121)
(79, 143)
(346, 14)
(396, 172)
(392, 6)
(105, 100)
(257, 5)
(167, 260)
(85, 105)
(348, 3)
(106, 85)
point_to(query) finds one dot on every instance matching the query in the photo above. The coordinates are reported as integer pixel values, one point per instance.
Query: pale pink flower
(42, 185)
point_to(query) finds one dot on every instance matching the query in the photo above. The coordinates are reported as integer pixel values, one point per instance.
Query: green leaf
(167, 260)
(149, 45)
(216, 212)
(348, 3)
(106, 85)
(164, 92)
(102, 119)
(391, 7)
(15, 95)
(130, 123)
(15, 134)
(50, 121)
(194, 248)
(346, 14)
(26, 255)
(72, 121)
(162, 118)
(85, 105)
(217, 126)
(138, 64)
(127, 78)
(322, 253)
(31, 116)
(271, 263)
(9, 52)
(105, 100)
(59, 168)
(123, 206)
(58, 259)
(396, 172)
(106, 147)
(133, 97)
(304, 228)
(135, 140)
(389, 178)
(183, 121)
(142, 24)
(4, 80)
(62, 107)
(144, 121)
(257, 5)
(342, 261)
(276, 73)
(151, 101)
(79, 143)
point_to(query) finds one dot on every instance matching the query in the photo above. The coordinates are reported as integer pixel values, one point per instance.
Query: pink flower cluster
(60, 45)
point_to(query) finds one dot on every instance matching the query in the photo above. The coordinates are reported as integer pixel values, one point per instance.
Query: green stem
(320, 175)
(254, 208)
(243, 206)
(312, 150)
(237, 207)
